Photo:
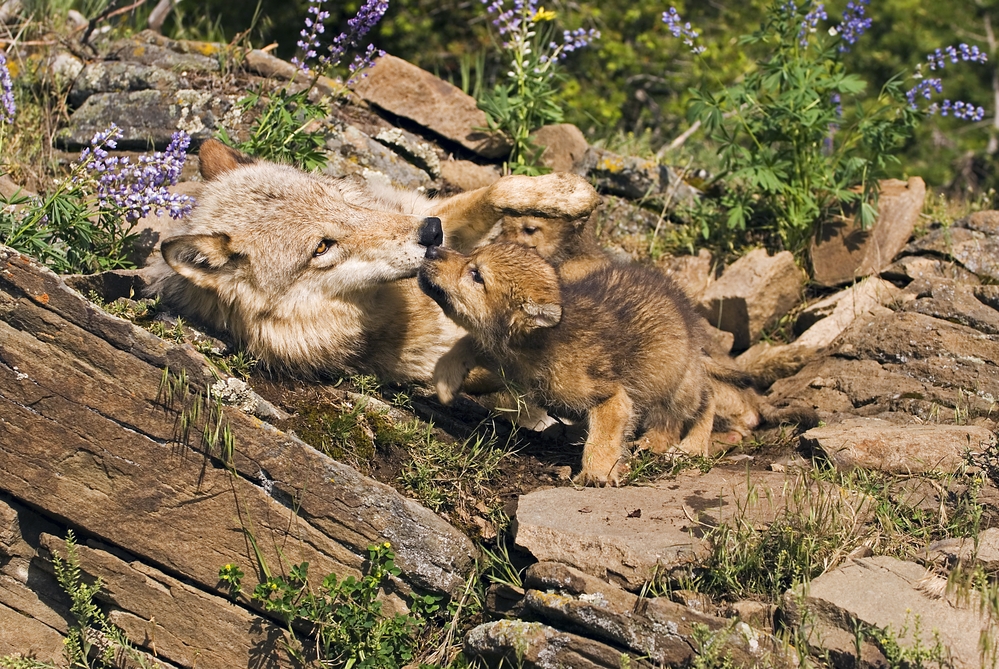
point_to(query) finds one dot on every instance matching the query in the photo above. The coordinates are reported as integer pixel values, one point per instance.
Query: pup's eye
(323, 247)
(476, 277)
(529, 230)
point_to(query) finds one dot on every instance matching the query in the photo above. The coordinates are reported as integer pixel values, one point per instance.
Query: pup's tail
(721, 372)
(745, 386)
(804, 417)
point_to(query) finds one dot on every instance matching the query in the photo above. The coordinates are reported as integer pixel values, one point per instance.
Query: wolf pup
(571, 247)
(313, 274)
(617, 346)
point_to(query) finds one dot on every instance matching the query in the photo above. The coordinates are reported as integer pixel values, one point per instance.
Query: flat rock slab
(842, 252)
(952, 301)
(637, 178)
(976, 251)
(626, 534)
(412, 93)
(887, 593)
(752, 294)
(350, 151)
(899, 449)
(982, 550)
(89, 439)
(515, 643)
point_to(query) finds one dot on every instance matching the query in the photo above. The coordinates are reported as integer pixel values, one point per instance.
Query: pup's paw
(447, 382)
(600, 476)
(555, 195)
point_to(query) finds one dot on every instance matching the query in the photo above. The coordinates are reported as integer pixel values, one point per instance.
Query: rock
(149, 48)
(755, 613)
(626, 534)
(909, 449)
(655, 627)
(64, 67)
(28, 638)
(752, 294)
(506, 643)
(110, 76)
(841, 252)
(350, 151)
(908, 268)
(268, 66)
(818, 326)
(901, 362)
(888, 594)
(693, 273)
(564, 147)
(982, 550)
(949, 300)
(148, 118)
(9, 189)
(407, 91)
(637, 178)
(126, 464)
(415, 151)
(466, 175)
(976, 251)
(982, 221)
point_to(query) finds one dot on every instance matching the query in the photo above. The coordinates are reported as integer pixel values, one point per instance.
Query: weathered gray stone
(149, 48)
(626, 534)
(889, 594)
(111, 76)
(982, 550)
(909, 268)
(148, 118)
(984, 221)
(951, 301)
(564, 147)
(842, 252)
(466, 175)
(516, 643)
(125, 465)
(654, 627)
(909, 449)
(351, 152)
(410, 146)
(752, 294)
(407, 91)
(637, 178)
(976, 251)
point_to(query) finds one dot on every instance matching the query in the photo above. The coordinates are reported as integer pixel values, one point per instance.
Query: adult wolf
(314, 274)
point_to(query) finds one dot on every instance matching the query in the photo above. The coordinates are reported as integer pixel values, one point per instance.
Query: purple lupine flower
(810, 22)
(962, 110)
(854, 24)
(576, 39)
(137, 188)
(938, 59)
(924, 89)
(366, 18)
(673, 22)
(7, 107)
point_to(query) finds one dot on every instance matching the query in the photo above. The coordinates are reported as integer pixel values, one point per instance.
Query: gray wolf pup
(571, 247)
(618, 346)
(313, 274)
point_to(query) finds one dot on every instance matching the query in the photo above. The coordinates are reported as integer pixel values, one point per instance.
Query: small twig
(678, 142)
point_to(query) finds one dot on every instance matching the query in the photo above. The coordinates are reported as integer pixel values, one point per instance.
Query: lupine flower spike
(679, 29)
(7, 107)
(854, 24)
(927, 86)
(366, 18)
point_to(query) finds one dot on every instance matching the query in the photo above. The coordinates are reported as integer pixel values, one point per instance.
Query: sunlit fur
(245, 262)
(619, 346)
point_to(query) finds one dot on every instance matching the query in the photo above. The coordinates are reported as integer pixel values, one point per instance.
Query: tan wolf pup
(571, 247)
(314, 274)
(618, 346)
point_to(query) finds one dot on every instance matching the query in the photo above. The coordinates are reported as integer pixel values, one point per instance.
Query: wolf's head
(555, 239)
(499, 293)
(265, 234)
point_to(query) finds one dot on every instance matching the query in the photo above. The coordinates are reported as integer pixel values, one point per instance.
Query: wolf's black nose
(431, 233)
(433, 253)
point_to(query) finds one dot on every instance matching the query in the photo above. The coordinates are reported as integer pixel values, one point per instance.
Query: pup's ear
(541, 315)
(216, 158)
(202, 259)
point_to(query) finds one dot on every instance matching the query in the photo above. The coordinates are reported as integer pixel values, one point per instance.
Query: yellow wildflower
(543, 15)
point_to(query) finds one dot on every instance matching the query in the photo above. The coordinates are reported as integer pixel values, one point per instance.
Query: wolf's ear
(541, 315)
(216, 158)
(200, 258)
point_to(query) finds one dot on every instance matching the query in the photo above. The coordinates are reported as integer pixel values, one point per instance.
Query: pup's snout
(431, 233)
(433, 252)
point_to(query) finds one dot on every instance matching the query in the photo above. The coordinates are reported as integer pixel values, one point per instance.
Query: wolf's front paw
(600, 475)
(556, 195)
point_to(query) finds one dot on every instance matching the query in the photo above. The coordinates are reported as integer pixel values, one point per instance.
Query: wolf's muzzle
(431, 233)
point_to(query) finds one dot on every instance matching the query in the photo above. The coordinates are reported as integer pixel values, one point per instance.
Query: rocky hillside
(167, 469)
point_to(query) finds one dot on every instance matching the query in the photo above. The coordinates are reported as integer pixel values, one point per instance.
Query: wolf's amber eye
(476, 277)
(529, 230)
(323, 247)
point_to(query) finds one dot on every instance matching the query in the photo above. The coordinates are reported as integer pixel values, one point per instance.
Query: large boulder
(842, 252)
